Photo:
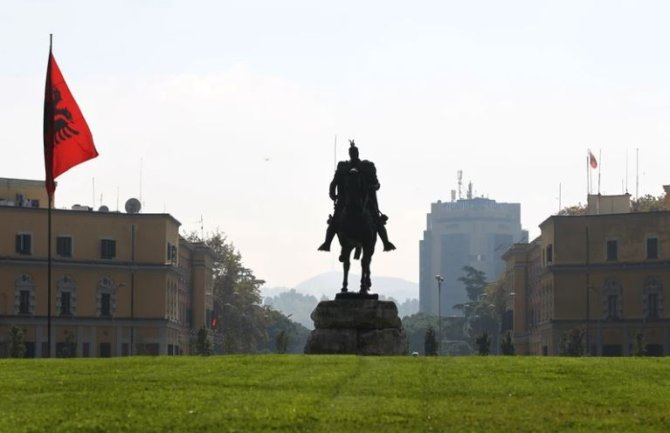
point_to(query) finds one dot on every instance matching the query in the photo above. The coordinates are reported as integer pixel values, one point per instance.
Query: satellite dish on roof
(103, 208)
(133, 205)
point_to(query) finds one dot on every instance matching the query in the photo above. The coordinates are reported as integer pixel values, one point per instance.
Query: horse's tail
(357, 253)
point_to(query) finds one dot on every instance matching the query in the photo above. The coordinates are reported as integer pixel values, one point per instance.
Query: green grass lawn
(294, 393)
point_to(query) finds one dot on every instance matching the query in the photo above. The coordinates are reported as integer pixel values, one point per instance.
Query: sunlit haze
(230, 111)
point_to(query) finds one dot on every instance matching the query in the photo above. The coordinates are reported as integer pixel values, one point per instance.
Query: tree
(281, 341)
(507, 346)
(241, 320)
(483, 344)
(407, 308)
(648, 203)
(68, 349)
(298, 305)
(17, 345)
(578, 209)
(572, 343)
(284, 335)
(430, 342)
(203, 343)
(486, 306)
(639, 345)
(483, 319)
(452, 331)
(474, 281)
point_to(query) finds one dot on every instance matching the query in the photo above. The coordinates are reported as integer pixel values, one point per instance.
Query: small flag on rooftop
(592, 160)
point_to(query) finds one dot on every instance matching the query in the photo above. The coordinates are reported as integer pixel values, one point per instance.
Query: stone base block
(358, 327)
(357, 314)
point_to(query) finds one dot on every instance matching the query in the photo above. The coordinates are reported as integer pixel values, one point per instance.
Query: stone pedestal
(358, 327)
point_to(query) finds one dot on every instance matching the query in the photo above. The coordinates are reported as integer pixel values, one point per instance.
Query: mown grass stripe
(335, 394)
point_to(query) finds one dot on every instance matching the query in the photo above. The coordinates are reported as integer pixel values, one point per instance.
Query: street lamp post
(439, 279)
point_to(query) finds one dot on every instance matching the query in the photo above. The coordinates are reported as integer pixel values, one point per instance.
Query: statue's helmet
(353, 150)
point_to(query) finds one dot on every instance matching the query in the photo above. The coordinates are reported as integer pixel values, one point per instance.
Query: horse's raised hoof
(388, 246)
(324, 247)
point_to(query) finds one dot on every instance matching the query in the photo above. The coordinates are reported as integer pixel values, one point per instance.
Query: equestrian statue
(356, 219)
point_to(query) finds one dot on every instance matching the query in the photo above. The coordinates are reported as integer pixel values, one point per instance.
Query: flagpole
(49, 280)
(50, 203)
(588, 177)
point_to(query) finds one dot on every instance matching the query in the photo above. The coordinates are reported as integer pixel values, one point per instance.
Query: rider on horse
(369, 173)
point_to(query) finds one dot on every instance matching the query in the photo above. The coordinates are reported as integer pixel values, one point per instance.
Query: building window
(66, 297)
(24, 302)
(23, 244)
(612, 294)
(24, 295)
(66, 304)
(171, 253)
(612, 306)
(652, 248)
(106, 297)
(652, 306)
(652, 298)
(107, 248)
(64, 246)
(105, 350)
(550, 254)
(106, 304)
(612, 248)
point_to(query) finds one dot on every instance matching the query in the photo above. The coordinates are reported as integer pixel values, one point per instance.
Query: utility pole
(439, 279)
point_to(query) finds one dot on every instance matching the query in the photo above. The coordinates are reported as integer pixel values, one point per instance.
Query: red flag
(592, 160)
(67, 139)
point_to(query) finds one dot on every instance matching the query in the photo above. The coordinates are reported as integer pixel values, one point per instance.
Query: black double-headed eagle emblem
(62, 120)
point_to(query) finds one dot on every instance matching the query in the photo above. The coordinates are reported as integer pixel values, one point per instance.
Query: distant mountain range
(298, 302)
(328, 284)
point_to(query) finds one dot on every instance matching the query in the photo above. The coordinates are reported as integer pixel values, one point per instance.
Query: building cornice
(614, 266)
(98, 264)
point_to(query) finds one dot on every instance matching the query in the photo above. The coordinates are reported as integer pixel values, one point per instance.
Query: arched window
(66, 297)
(612, 299)
(652, 298)
(24, 295)
(106, 297)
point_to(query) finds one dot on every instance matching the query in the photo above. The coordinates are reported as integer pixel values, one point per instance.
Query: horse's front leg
(366, 283)
(346, 264)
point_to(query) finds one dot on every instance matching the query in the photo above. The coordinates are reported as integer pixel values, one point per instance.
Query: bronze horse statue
(356, 229)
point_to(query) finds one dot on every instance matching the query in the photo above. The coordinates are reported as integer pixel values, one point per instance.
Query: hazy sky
(229, 109)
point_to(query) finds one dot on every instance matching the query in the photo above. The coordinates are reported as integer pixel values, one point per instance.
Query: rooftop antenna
(335, 154)
(600, 167)
(141, 165)
(469, 190)
(202, 228)
(637, 171)
(626, 191)
(460, 183)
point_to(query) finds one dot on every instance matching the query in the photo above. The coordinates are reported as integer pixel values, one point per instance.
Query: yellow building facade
(121, 283)
(601, 275)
